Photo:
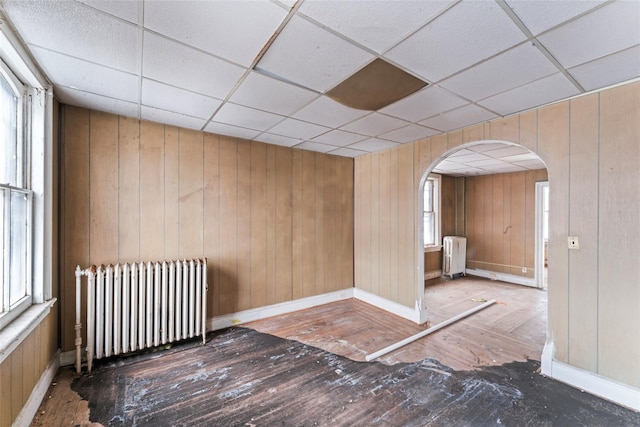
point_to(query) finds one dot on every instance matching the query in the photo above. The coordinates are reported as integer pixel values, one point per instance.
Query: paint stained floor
(244, 377)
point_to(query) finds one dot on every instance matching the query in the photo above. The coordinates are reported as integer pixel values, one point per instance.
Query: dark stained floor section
(242, 377)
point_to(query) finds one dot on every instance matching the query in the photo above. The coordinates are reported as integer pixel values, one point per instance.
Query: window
(431, 215)
(15, 201)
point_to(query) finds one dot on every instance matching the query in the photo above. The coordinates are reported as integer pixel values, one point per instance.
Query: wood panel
(505, 129)
(618, 231)
(394, 218)
(345, 208)
(171, 206)
(454, 138)
(152, 172)
(374, 234)
(128, 190)
(583, 222)
(297, 224)
(472, 134)
(190, 205)
(258, 224)
(553, 143)
(227, 259)
(243, 254)
(284, 223)
(362, 185)
(329, 226)
(271, 224)
(211, 220)
(384, 213)
(308, 223)
(407, 242)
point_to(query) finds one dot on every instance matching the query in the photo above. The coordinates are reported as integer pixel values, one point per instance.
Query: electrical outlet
(573, 242)
(524, 269)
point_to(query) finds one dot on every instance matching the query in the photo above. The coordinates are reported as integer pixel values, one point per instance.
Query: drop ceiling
(261, 69)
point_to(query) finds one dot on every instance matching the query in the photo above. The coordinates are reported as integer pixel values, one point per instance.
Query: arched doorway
(490, 193)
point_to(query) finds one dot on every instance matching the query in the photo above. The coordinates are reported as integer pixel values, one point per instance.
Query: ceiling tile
(314, 146)
(539, 16)
(210, 25)
(171, 118)
(604, 31)
(486, 146)
(181, 101)
(372, 144)
(347, 152)
(339, 138)
(82, 75)
(298, 129)
(468, 115)
(123, 9)
(464, 35)
(534, 94)
(328, 112)
(460, 153)
(612, 69)
(510, 69)
(505, 169)
(509, 150)
(377, 25)
(467, 158)
(311, 56)
(190, 69)
(520, 157)
(285, 141)
(77, 30)
(246, 117)
(425, 103)
(485, 162)
(531, 164)
(225, 129)
(409, 133)
(374, 124)
(266, 93)
(95, 102)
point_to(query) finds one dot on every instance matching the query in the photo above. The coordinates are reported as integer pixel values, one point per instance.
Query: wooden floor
(304, 368)
(513, 329)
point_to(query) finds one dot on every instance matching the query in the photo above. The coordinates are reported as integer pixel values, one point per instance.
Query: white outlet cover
(573, 242)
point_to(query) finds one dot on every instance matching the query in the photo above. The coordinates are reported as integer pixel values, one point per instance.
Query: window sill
(15, 332)
(434, 248)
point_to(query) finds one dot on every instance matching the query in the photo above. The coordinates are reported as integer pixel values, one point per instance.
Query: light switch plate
(573, 242)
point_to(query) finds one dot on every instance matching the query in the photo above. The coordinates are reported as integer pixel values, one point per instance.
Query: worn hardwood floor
(472, 372)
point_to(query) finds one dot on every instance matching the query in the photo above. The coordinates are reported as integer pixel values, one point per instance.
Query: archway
(495, 185)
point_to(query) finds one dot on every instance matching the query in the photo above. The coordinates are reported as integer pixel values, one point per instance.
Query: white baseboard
(503, 277)
(68, 358)
(590, 382)
(29, 410)
(227, 320)
(390, 306)
(434, 274)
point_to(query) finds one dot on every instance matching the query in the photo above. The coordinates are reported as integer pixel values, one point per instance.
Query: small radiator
(454, 255)
(140, 305)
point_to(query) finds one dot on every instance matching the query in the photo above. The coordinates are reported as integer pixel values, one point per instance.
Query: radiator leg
(78, 326)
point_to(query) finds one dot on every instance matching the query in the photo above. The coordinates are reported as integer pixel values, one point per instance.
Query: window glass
(9, 133)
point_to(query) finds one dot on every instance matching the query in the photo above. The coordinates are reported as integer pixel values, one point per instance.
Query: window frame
(437, 203)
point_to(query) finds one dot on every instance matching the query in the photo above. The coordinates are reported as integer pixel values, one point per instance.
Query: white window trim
(39, 179)
(438, 216)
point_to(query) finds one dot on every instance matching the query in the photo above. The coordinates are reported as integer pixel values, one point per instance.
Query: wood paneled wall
(275, 223)
(591, 148)
(21, 371)
(500, 217)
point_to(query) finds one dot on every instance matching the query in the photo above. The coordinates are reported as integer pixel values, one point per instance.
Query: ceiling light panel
(171, 118)
(468, 115)
(612, 69)
(518, 66)
(539, 16)
(374, 124)
(408, 133)
(604, 31)
(312, 57)
(159, 95)
(74, 29)
(464, 35)
(266, 93)
(209, 25)
(373, 144)
(378, 25)
(86, 76)
(425, 103)
(127, 10)
(327, 112)
(298, 129)
(238, 115)
(225, 129)
(96, 102)
(531, 95)
(181, 66)
(339, 138)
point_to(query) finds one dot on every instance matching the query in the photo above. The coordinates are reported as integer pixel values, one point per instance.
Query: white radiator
(140, 305)
(454, 255)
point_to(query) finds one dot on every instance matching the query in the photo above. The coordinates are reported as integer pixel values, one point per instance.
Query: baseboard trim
(387, 305)
(245, 316)
(590, 382)
(29, 410)
(68, 358)
(503, 277)
(434, 274)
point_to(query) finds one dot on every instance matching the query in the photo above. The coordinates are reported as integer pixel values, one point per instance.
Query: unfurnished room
(319, 213)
